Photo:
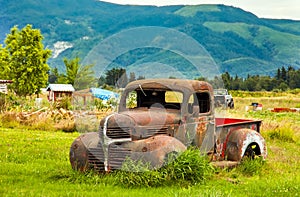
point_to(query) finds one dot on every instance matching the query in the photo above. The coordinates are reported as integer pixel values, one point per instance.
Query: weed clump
(285, 134)
(189, 168)
(250, 167)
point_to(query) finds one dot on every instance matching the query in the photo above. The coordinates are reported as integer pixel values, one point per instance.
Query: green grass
(35, 163)
(191, 11)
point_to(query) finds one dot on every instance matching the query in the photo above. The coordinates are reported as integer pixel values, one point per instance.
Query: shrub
(189, 168)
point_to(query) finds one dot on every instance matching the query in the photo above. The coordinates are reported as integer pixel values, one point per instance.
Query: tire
(231, 105)
(249, 153)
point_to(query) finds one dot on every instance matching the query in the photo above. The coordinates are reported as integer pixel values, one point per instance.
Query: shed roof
(60, 88)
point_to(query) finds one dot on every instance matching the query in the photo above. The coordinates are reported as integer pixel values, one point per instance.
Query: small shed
(3, 85)
(57, 91)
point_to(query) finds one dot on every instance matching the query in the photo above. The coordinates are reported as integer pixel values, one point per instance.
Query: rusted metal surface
(149, 132)
(234, 136)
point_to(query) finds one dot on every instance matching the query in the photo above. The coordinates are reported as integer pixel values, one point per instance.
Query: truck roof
(173, 84)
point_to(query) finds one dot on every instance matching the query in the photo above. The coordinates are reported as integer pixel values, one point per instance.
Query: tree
(132, 77)
(116, 77)
(27, 60)
(80, 76)
(53, 75)
(283, 74)
(226, 80)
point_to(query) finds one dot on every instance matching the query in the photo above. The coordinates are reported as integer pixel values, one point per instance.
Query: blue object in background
(103, 94)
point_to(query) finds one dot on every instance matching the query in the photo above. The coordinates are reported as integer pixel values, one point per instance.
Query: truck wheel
(249, 152)
(231, 105)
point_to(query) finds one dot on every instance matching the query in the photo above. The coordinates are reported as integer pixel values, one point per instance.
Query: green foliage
(189, 168)
(26, 60)
(80, 76)
(4, 68)
(284, 133)
(279, 83)
(116, 77)
(64, 102)
(72, 68)
(138, 174)
(101, 105)
(251, 167)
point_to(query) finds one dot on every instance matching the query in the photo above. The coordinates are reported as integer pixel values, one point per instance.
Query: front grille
(118, 132)
(117, 156)
(96, 158)
(156, 131)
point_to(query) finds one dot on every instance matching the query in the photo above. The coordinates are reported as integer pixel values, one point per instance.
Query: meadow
(35, 162)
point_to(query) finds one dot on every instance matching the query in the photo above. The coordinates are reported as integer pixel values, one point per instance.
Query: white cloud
(287, 9)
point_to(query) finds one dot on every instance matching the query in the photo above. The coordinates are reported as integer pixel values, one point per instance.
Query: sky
(277, 9)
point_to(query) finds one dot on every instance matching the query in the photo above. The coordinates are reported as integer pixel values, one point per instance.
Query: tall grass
(189, 168)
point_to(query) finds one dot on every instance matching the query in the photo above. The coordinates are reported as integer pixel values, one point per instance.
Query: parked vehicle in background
(160, 117)
(223, 98)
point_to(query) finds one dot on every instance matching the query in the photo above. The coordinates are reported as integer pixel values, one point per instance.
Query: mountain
(238, 41)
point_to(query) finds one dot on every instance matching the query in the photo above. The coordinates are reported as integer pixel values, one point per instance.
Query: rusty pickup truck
(159, 117)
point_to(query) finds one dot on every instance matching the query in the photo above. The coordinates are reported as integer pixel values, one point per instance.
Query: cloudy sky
(279, 9)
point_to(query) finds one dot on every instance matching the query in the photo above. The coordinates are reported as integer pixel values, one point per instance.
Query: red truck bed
(235, 122)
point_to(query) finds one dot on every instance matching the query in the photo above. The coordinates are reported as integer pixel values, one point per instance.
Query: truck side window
(131, 100)
(202, 99)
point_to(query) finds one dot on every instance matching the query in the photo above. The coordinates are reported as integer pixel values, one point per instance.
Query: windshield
(220, 92)
(168, 99)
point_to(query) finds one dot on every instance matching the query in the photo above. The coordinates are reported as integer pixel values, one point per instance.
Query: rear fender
(239, 140)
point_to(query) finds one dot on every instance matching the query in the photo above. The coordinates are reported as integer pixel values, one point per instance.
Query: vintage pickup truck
(223, 98)
(160, 117)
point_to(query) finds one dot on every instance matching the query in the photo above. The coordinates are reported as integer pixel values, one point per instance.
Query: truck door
(201, 120)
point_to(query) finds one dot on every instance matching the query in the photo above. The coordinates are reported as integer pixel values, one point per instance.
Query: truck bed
(237, 123)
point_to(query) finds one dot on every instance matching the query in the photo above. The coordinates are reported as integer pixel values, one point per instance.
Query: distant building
(3, 85)
(58, 91)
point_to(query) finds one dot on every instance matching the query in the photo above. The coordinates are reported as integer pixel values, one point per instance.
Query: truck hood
(153, 117)
(140, 117)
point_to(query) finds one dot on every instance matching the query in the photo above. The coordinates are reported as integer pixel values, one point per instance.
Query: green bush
(189, 168)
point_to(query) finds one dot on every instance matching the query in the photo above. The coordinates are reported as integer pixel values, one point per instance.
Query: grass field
(36, 163)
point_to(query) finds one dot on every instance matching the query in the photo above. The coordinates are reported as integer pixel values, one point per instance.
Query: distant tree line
(284, 79)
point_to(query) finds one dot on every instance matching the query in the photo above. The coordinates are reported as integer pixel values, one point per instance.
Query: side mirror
(195, 110)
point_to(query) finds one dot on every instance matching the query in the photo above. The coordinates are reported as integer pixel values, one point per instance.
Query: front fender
(239, 140)
(155, 150)
(80, 149)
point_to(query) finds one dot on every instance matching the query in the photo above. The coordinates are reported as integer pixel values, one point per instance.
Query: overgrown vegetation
(188, 169)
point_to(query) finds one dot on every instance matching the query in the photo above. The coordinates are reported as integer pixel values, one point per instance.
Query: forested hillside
(238, 41)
